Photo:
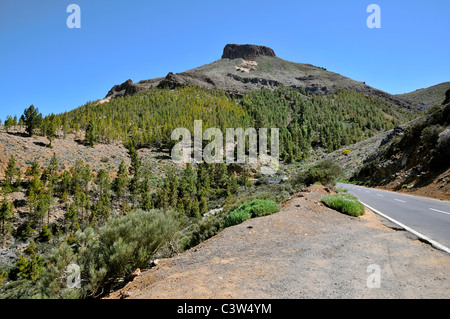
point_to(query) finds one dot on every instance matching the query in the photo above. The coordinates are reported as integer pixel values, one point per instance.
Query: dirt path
(304, 251)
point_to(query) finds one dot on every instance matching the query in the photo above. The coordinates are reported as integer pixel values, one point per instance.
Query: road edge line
(433, 243)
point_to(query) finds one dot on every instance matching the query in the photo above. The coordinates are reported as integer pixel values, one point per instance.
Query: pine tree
(50, 130)
(81, 176)
(195, 209)
(66, 183)
(187, 182)
(9, 122)
(53, 170)
(6, 212)
(32, 119)
(34, 169)
(134, 170)
(203, 205)
(45, 234)
(135, 162)
(102, 209)
(145, 201)
(220, 176)
(91, 133)
(81, 204)
(203, 181)
(121, 182)
(102, 182)
(44, 201)
(10, 173)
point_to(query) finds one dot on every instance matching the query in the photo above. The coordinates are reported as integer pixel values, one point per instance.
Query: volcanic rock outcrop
(246, 51)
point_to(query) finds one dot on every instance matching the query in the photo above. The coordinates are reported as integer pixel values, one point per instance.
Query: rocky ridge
(247, 67)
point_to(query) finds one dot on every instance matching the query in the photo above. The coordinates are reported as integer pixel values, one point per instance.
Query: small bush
(254, 208)
(199, 231)
(430, 135)
(262, 181)
(125, 244)
(325, 172)
(344, 203)
(45, 235)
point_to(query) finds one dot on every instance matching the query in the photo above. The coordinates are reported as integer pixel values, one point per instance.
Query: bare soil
(305, 251)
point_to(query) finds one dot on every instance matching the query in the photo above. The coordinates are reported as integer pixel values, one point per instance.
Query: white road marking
(380, 195)
(439, 211)
(399, 200)
(432, 242)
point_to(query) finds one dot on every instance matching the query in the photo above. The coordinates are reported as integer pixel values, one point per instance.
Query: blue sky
(43, 62)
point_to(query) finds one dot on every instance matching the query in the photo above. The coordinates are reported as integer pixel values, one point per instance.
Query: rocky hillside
(416, 157)
(243, 68)
(69, 150)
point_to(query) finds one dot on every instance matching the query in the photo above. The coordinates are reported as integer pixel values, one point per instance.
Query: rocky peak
(447, 97)
(245, 51)
(126, 88)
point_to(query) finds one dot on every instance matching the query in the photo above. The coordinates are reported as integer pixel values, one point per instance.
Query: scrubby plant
(324, 172)
(344, 203)
(199, 231)
(254, 208)
(430, 135)
(124, 244)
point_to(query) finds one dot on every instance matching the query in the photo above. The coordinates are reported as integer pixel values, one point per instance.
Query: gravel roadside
(305, 251)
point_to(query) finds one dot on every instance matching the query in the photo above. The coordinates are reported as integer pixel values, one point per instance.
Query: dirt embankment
(438, 188)
(305, 251)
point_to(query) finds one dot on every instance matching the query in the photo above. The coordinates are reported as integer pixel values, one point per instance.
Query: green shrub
(324, 172)
(45, 235)
(125, 244)
(430, 135)
(254, 208)
(236, 217)
(199, 231)
(344, 203)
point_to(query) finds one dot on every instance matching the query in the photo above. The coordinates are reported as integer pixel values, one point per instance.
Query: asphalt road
(426, 216)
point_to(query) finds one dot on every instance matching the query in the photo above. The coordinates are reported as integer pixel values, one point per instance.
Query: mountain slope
(305, 120)
(247, 67)
(423, 99)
